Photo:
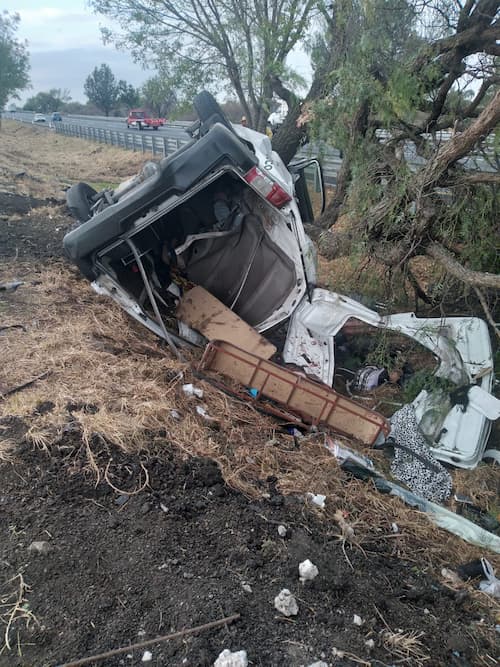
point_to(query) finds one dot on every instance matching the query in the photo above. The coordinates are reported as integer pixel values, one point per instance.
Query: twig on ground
(24, 385)
(151, 642)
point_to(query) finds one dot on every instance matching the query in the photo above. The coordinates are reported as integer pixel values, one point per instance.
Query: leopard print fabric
(423, 475)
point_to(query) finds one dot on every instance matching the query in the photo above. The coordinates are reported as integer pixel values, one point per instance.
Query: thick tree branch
(461, 144)
(487, 177)
(454, 268)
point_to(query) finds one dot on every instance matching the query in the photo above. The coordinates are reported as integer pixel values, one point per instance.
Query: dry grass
(52, 161)
(110, 381)
(14, 608)
(406, 646)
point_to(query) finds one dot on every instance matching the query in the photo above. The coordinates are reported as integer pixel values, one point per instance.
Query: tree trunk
(287, 139)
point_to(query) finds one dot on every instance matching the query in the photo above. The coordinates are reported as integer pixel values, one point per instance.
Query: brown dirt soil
(155, 521)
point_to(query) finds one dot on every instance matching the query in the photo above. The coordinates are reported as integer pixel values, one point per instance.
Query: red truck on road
(142, 120)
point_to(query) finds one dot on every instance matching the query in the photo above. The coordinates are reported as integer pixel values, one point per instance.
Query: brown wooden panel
(203, 312)
(314, 401)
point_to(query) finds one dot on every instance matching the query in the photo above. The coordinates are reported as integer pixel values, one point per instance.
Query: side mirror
(309, 188)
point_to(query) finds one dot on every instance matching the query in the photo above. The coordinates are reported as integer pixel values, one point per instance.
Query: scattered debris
(394, 527)
(190, 390)
(471, 570)
(307, 571)
(317, 499)
(343, 453)
(11, 287)
(40, 547)
(201, 410)
(413, 463)
(320, 663)
(246, 587)
(370, 644)
(282, 531)
(357, 620)
(491, 585)
(229, 659)
(175, 414)
(147, 656)
(286, 603)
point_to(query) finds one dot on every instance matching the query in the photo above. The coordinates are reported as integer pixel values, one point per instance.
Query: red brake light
(268, 188)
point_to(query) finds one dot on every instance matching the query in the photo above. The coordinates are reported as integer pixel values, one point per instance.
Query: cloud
(69, 69)
(59, 27)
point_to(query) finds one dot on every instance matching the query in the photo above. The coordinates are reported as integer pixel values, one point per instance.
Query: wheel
(79, 199)
(139, 125)
(155, 127)
(209, 112)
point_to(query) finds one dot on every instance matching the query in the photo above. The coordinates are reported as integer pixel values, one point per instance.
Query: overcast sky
(64, 42)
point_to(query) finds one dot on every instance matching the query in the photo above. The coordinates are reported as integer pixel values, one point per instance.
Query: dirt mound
(31, 228)
(120, 568)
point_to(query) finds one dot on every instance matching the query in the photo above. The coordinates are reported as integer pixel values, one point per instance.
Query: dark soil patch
(31, 228)
(121, 569)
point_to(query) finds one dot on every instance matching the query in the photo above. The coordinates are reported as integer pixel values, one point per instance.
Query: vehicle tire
(209, 112)
(155, 127)
(139, 125)
(79, 199)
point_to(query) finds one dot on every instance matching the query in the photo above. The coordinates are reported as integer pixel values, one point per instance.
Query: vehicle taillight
(268, 188)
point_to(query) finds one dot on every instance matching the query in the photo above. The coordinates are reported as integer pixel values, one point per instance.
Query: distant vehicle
(56, 116)
(39, 118)
(141, 119)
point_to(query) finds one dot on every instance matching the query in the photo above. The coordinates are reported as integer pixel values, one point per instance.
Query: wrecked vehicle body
(225, 214)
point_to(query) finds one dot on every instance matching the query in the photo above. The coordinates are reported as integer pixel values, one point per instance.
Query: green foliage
(128, 95)
(14, 60)
(425, 379)
(101, 88)
(45, 102)
(159, 95)
(234, 47)
(468, 219)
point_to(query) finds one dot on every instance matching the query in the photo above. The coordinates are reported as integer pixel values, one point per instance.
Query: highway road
(174, 129)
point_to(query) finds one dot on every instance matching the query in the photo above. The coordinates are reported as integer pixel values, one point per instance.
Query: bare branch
(487, 312)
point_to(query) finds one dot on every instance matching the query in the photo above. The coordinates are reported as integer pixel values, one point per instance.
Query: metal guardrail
(159, 144)
(135, 141)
